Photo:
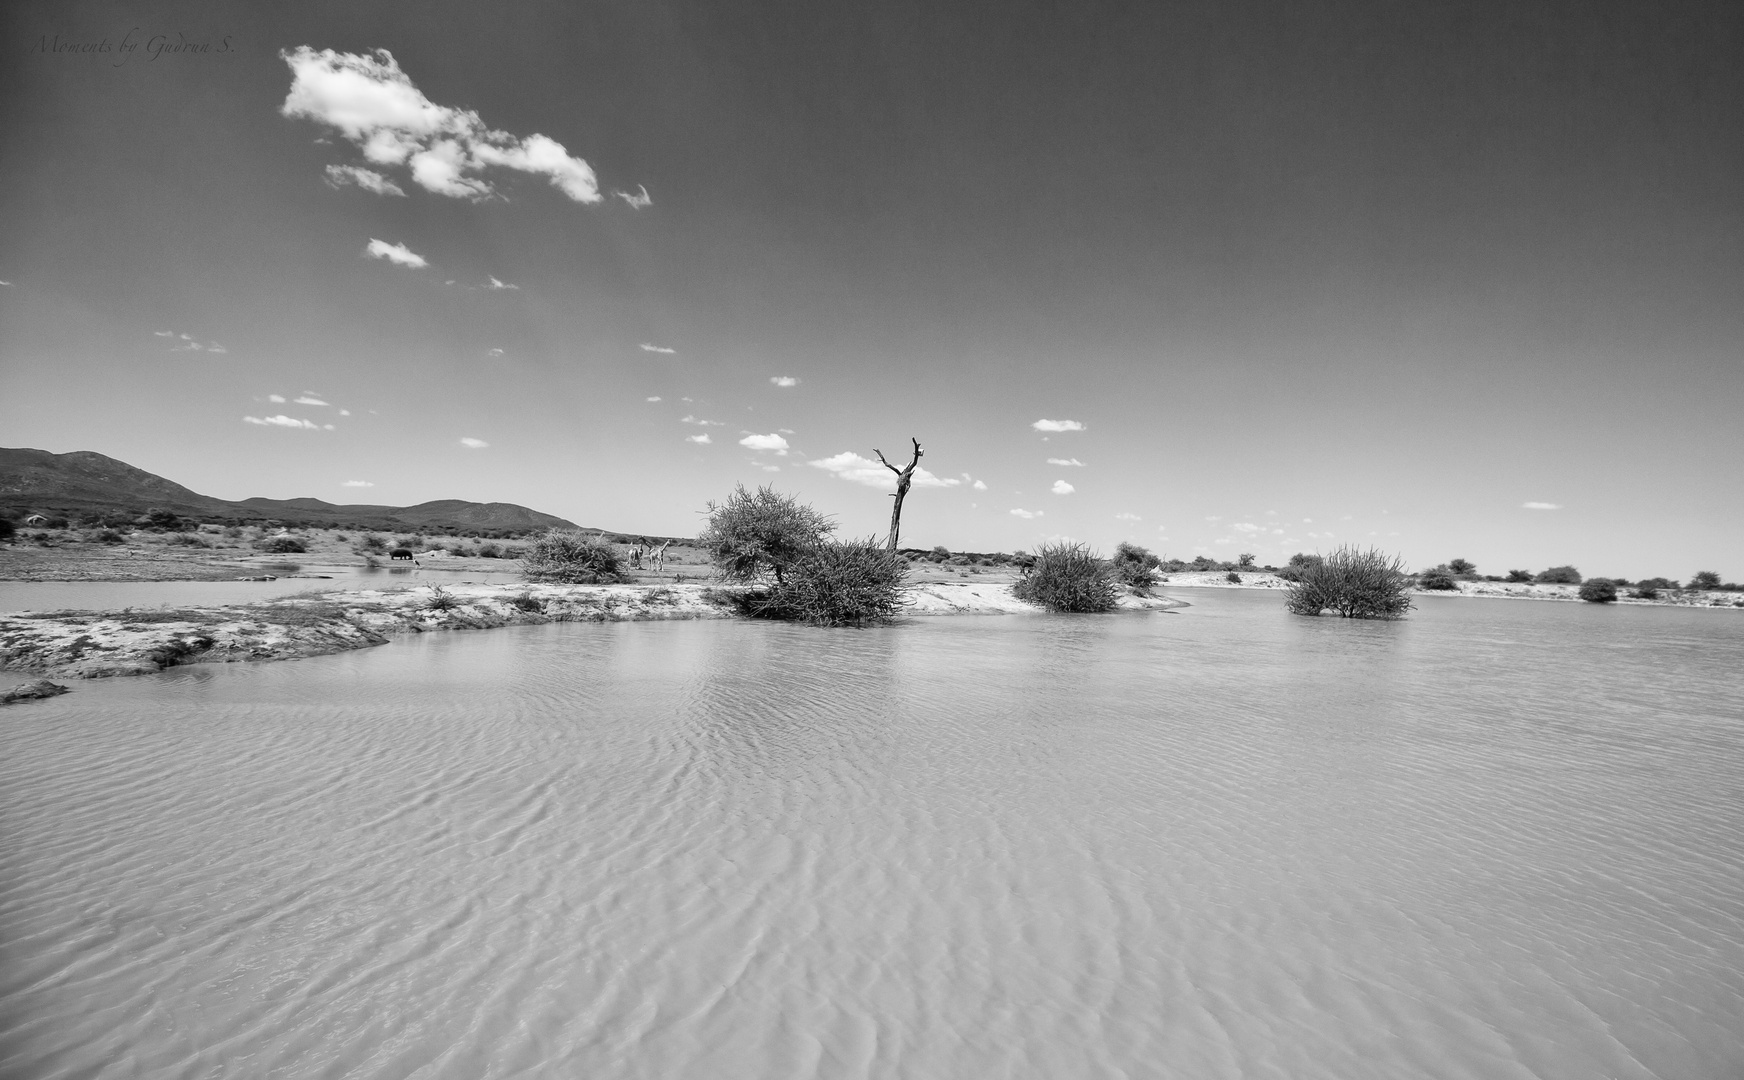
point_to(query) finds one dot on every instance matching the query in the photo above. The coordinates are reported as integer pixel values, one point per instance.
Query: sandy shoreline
(86, 644)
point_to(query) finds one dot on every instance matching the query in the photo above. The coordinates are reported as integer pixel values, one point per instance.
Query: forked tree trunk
(903, 476)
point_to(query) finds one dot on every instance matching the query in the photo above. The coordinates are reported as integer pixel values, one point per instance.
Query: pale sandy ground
(94, 645)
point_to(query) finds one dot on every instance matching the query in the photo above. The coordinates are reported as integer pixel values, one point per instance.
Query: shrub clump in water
(835, 583)
(568, 557)
(1352, 583)
(1068, 577)
(1136, 568)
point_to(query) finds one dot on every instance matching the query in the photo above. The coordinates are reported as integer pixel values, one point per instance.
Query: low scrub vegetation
(1135, 567)
(836, 583)
(756, 535)
(1438, 579)
(1068, 577)
(1598, 590)
(1353, 584)
(1558, 575)
(568, 557)
(283, 545)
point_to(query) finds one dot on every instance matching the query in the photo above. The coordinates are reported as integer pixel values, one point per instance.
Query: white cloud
(852, 467)
(473, 444)
(495, 285)
(1062, 488)
(309, 399)
(661, 349)
(494, 354)
(979, 485)
(701, 422)
(329, 427)
(368, 179)
(357, 483)
(702, 439)
(1057, 425)
(373, 104)
(1247, 527)
(784, 380)
(1129, 517)
(1540, 506)
(765, 442)
(217, 349)
(394, 253)
(1065, 461)
(164, 333)
(771, 468)
(655, 398)
(1215, 517)
(280, 421)
(1026, 514)
(277, 399)
(637, 202)
(344, 412)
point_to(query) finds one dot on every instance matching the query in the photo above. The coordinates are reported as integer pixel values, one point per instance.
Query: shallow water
(1501, 839)
(117, 595)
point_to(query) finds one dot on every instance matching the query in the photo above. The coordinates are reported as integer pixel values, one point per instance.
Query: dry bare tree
(903, 476)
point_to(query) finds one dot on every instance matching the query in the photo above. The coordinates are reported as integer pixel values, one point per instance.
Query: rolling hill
(83, 482)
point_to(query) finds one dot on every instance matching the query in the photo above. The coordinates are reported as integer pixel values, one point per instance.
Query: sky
(1452, 280)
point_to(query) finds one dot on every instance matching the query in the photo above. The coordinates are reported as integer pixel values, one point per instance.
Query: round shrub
(1705, 579)
(1559, 575)
(836, 584)
(283, 545)
(1598, 590)
(753, 535)
(1232, 577)
(1068, 577)
(1353, 584)
(1645, 591)
(566, 556)
(1439, 578)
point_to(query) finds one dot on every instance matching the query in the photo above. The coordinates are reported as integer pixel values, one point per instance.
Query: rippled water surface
(1502, 839)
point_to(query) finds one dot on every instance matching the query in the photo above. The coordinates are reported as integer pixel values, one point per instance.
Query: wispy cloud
(700, 422)
(1540, 506)
(473, 444)
(394, 253)
(784, 380)
(1127, 517)
(979, 485)
(164, 333)
(850, 466)
(281, 421)
(1057, 425)
(496, 285)
(1247, 527)
(661, 349)
(637, 202)
(1062, 488)
(339, 176)
(357, 483)
(1026, 514)
(702, 439)
(276, 399)
(1065, 461)
(654, 398)
(373, 104)
(771, 441)
(494, 354)
(309, 399)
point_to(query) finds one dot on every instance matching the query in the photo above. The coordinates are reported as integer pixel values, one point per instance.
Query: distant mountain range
(36, 481)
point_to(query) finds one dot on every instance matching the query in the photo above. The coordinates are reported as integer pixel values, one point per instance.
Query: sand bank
(87, 645)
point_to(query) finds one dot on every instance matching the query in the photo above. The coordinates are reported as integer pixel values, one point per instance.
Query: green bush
(1232, 577)
(1598, 590)
(1559, 575)
(1352, 583)
(526, 601)
(1705, 579)
(489, 550)
(754, 535)
(1645, 591)
(283, 545)
(564, 555)
(836, 584)
(441, 600)
(1068, 577)
(1439, 578)
(1461, 567)
(109, 536)
(1520, 576)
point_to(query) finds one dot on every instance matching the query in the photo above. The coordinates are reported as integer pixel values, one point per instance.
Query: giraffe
(659, 556)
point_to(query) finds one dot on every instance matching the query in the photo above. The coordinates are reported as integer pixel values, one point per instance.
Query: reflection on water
(1500, 839)
(289, 579)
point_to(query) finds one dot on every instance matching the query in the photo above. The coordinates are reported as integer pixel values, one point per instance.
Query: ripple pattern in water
(1498, 840)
